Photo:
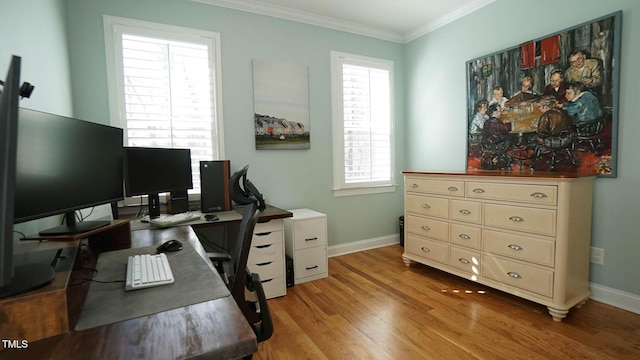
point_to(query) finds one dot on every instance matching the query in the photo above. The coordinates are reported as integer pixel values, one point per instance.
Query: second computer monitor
(150, 171)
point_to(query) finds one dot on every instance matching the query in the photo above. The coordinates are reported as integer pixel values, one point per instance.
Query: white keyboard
(175, 219)
(147, 270)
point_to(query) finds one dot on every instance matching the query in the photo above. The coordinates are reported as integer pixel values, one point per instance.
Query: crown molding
(342, 25)
(433, 25)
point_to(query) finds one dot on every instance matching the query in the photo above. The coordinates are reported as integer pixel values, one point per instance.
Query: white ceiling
(394, 20)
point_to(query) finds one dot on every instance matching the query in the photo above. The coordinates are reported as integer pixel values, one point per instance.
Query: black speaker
(214, 186)
(177, 202)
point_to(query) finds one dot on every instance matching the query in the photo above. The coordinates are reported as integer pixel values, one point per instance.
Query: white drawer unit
(525, 234)
(266, 257)
(306, 243)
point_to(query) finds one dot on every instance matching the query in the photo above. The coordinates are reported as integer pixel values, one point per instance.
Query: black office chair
(245, 287)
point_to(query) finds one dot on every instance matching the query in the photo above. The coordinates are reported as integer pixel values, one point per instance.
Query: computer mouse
(211, 217)
(170, 246)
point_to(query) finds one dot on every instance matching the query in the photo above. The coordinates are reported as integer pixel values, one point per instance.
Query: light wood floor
(374, 307)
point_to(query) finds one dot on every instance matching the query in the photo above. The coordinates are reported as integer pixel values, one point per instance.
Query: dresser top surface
(524, 174)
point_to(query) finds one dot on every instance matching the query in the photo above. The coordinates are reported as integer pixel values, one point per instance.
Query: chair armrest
(264, 329)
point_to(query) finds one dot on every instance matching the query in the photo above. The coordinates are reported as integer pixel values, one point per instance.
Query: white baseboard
(617, 298)
(343, 249)
(603, 294)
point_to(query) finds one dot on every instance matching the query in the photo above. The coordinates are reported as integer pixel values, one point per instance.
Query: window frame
(340, 186)
(114, 27)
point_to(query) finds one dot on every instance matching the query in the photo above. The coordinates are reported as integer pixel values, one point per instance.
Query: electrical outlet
(597, 255)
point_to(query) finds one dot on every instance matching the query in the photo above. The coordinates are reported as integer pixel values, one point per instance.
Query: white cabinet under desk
(306, 244)
(266, 257)
(524, 234)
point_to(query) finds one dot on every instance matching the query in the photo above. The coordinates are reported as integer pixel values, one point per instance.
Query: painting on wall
(281, 105)
(548, 105)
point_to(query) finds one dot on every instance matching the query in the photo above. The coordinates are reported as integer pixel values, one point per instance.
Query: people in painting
(526, 93)
(553, 120)
(583, 70)
(556, 87)
(498, 97)
(495, 130)
(480, 116)
(582, 105)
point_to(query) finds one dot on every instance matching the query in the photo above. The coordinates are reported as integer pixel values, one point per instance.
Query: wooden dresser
(528, 235)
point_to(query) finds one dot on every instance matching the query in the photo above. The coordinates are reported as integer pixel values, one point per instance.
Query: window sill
(364, 190)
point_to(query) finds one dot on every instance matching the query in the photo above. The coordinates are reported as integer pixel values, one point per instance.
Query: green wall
(289, 179)
(35, 30)
(436, 111)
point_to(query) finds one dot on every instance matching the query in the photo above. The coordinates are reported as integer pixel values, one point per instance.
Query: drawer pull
(311, 239)
(515, 247)
(539, 195)
(452, 188)
(262, 233)
(413, 186)
(265, 281)
(514, 275)
(311, 267)
(263, 246)
(425, 227)
(425, 206)
(264, 263)
(478, 190)
(465, 212)
(425, 249)
(516, 219)
(464, 236)
(464, 261)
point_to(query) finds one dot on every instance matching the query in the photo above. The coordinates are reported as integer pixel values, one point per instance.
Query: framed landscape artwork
(281, 105)
(548, 105)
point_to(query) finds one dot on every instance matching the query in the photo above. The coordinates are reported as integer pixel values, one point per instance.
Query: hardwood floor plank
(374, 307)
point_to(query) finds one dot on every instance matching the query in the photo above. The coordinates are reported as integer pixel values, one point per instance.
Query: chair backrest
(243, 192)
(242, 246)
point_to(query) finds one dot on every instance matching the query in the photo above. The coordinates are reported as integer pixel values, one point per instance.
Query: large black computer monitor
(64, 165)
(14, 279)
(151, 171)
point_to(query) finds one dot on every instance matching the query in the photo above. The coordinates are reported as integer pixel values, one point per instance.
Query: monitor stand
(74, 227)
(154, 205)
(28, 277)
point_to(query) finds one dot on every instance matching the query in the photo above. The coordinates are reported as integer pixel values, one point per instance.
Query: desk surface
(224, 218)
(212, 329)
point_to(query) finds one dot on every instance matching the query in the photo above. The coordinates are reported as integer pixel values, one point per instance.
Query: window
(164, 88)
(362, 124)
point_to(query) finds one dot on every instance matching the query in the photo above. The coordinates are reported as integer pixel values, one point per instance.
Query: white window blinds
(363, 122)
(166, 86)
(367, 130)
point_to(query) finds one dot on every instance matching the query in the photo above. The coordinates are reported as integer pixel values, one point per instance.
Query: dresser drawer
(530, 249)
(433, 186)
(519, 275)
(537, 221)
(274, 287)
(467, 236)
(265, 253)
(428, 249)
(465, 260)
(310, 233)
(267, 270)
(266, 238)
(431, 228)
(532, 194)
(310, 262)
(273, 225)
(427, 205)
(468, 211)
